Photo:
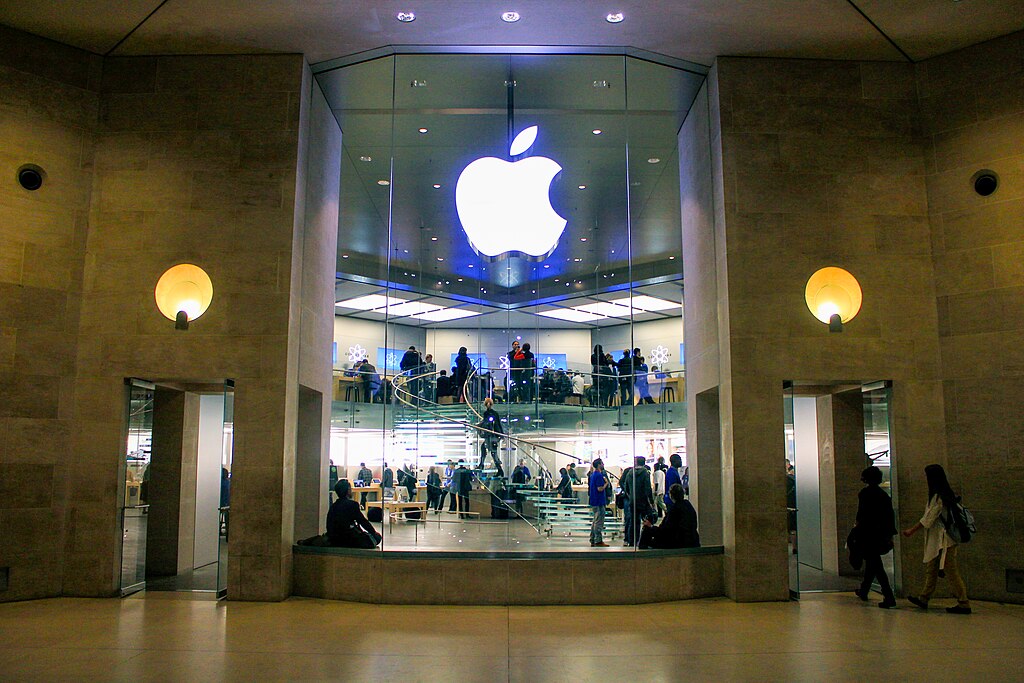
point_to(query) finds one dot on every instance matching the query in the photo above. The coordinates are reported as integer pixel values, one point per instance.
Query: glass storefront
(509, 296)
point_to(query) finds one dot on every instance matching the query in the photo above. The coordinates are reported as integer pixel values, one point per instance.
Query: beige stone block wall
(48, 109)
(822, 163)
(197, 159)
(972, 105)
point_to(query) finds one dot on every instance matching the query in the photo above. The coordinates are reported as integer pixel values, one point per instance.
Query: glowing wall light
(183, 293)
(833, 295)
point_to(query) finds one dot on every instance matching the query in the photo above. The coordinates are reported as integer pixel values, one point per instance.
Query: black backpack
(959, 523)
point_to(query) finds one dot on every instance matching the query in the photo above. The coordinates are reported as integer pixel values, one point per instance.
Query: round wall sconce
(833, 295)
(183, 293)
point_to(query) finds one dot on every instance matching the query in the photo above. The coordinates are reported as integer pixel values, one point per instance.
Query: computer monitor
(376, 480)
(358, 483)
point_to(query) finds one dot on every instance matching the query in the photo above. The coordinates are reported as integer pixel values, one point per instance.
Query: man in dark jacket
(625, 367)
(444, 384)
(876, 525)
(347, 527)
(636, 486)
(462, 484)
(678, 529)
(410, 365)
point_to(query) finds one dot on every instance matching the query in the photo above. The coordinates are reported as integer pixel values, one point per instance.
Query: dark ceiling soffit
(389, 50)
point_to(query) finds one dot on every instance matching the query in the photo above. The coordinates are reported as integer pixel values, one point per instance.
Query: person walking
(449, 473)
(625, 368)
(875, 528)
(463, 366)
(636, 485)
(433, 489)
(940, 551)
(658, 478)
(598, 482)
(365, 478)
(490, 436)
(462, 481)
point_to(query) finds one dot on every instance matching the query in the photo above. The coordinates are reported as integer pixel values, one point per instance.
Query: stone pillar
(170, 524)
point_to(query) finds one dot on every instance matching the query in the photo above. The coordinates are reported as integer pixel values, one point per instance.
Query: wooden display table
(391, 506)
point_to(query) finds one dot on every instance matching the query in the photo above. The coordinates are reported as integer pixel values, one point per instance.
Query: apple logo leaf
(523, 141)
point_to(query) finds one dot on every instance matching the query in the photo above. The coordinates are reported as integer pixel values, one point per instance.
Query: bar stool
(666, 392)
(351, 392)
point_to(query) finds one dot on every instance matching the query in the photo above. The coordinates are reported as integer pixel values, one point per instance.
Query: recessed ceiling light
(406, 17)
(510, 17)
(470, 265)
(440, 258)
(365, 158)
(576, 260)
(411, 308)
(597, 131)
(547, 265)
(437, 186)
(653, 160)
(583, 239)
(422, 131)
(570, 315)
(444, 314)
(383, 182)
(460, 279)
(583, 187)
(646, 303)
(344, 256)
(614, 18)
(602, 84)
(433, 239)
(671, 258)
(416, 83)
(369, 302)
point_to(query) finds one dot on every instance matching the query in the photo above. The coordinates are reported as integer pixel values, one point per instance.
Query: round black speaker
(985, 182)
(30, 177)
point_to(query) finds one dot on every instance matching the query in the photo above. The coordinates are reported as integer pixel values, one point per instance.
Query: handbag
(854, 546)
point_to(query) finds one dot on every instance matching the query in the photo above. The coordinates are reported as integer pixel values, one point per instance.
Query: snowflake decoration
(356, 353)
(391, 360)
(503, 362)
(659, 355)
(549, 362)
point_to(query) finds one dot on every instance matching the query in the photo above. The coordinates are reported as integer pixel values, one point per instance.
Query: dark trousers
(433, 498)
(362, 499)
(440, 503)
(873, 569)
(463, 502)
(490, 445)
(626, 392)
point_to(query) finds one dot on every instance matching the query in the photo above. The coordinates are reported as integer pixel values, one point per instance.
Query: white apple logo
(505, 206)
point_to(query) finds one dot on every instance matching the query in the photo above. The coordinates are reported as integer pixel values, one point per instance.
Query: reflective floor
(171, 636)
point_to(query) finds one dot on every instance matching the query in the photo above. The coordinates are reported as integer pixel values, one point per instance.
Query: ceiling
(694, 30)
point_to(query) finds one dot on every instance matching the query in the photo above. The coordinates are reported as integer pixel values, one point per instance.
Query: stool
(666, 392)
(351, 392)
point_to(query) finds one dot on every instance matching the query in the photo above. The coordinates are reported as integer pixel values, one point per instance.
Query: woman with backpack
(939, 548)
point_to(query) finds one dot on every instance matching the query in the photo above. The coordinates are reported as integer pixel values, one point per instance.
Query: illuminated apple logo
(505, 206)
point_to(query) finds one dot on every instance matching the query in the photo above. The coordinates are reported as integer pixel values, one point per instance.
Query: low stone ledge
(513, 578)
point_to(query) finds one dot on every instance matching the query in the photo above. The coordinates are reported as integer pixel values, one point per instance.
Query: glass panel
(536, 321)
(877, 446)
(138, 454)
(224, 525)
(791, 500)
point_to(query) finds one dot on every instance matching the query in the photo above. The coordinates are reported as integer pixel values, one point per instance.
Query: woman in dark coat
(876, 525)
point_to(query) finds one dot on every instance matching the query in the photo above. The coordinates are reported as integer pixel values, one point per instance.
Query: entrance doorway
(832, 432)
(176, 510)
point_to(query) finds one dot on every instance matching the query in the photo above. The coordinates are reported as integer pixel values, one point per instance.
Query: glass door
(225, 489)
(135, 506)
(791, 508)
(878, 449)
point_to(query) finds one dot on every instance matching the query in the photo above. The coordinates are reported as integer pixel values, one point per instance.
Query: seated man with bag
(346, 525)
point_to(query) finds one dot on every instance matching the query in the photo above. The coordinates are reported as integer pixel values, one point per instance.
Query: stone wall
(48, 109)
(972, 103)
(823, 163)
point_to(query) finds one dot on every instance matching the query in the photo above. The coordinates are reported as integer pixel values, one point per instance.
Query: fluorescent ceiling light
(571, 315)
(605, 308)
(647, 303)
(443, 314)
(410, 308)
(369, 302)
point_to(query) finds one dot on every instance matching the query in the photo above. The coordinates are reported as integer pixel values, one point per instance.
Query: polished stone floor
(824, 637)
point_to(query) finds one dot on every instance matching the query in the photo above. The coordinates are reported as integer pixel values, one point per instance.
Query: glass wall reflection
(509, 298)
